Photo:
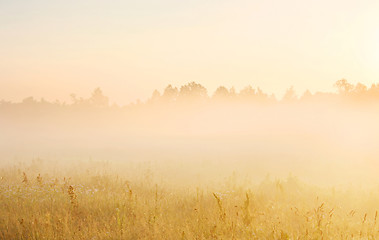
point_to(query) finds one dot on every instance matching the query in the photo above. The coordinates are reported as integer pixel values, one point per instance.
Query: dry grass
(93, 204)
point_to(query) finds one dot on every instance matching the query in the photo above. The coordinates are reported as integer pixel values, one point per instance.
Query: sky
(52, 49)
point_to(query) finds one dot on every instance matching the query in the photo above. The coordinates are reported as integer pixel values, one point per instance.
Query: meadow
(187, 166)
(102, 200)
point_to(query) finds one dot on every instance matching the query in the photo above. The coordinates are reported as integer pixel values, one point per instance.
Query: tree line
(193, 92)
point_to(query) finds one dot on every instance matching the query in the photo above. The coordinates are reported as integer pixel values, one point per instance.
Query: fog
(326, 139)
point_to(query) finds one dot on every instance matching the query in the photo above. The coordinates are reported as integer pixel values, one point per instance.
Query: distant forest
(195, 93)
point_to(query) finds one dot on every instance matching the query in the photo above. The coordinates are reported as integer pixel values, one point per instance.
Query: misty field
(184, 165)
(98, 200)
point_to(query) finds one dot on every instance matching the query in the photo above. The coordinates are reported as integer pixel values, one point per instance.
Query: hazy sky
(129, 48)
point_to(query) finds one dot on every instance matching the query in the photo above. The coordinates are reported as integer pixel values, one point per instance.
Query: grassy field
(92, 201)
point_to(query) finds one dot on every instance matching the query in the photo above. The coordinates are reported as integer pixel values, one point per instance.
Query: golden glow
(372, 50)
(367, 51)
(51, 49)
(189, 161)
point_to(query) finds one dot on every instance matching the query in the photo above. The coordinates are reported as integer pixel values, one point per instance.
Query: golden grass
(91, 204)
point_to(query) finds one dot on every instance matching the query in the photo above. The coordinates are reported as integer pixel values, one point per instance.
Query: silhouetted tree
(247, 93)
(307, 95)
(232, 93)
(193, 91)
(74, 99)
(28, 100)
(170, 94)
(360, 89)
(343, 86)
(221, 93)
(98, 99)
(373, 91)
(290, 95)
(155, 97)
